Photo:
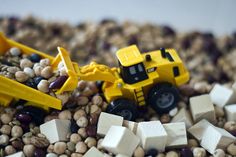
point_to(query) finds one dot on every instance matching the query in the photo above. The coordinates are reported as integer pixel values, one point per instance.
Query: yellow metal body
(158, 69)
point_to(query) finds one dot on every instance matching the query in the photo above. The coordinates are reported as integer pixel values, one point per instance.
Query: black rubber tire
(123, 107)
(163, 97)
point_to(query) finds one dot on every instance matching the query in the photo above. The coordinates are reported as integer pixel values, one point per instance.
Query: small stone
(79, 113)
(70, 146)
(60, 65)
(192, 143)
(35, 57)
(76, 155)
(21, 76)
(230, 126)
(93, 87)
(219, 153)
(173, 112)
(6, 129)
(82, 122)
(219, 111)
(199, 152)
(51, 155)
(81, 147)
(64, 97)
(47, 72)
(172, 154)
(81, 85)
(75, 138)
(9, 150)
(90, 141)
(165, 118)
(13, 70)
(29, 150)
(38, 70)
(231, 149)
(14, 51)
(82, 100)
(160, 155)
(6, 118)
(26, 140)
(139, 152)
(58, 83)
(25, 63)
(44, 62)
(66, 115)
(95, 109)
(63, 71)
(4, 140)
(50, 148)
(97, 100)
(59, 147)
(43, 86)
(16, 131)
(29, 72)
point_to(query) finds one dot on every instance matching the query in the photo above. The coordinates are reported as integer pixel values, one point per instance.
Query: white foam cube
(56, 130)
(199, 128)
(202, 108)
(120, 140)
(231, 112)
(222, 96)
(177, 136)
(107, 120)
(214, 138)
(130, 125)
(92, 152)
(183, 116)
(121, 155)
(18, 154)
(152, 135)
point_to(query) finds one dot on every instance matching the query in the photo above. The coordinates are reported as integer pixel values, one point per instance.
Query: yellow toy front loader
(141, 79)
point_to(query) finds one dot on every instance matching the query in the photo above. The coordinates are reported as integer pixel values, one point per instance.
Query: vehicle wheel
(36, 114)
(163, 97)
(124, 108)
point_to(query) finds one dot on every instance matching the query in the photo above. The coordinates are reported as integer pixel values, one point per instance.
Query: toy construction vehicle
(141, 79)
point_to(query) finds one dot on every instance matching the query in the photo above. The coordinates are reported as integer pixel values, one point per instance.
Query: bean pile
(209, 59)
(33, 72)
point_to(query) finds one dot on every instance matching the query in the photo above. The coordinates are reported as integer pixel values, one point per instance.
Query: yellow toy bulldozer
(141, 79)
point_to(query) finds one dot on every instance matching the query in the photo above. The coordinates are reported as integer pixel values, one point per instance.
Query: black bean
(91, 131)
(38, 79)
(186, 152)
(58, 83)
(35, 57)
(24, 118)
(151, 152)
(73, 126)
(39, 152)
(31, 83)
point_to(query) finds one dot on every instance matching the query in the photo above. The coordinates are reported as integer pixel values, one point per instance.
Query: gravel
(209, 59)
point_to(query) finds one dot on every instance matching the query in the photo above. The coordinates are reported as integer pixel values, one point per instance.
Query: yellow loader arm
(91, 72)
